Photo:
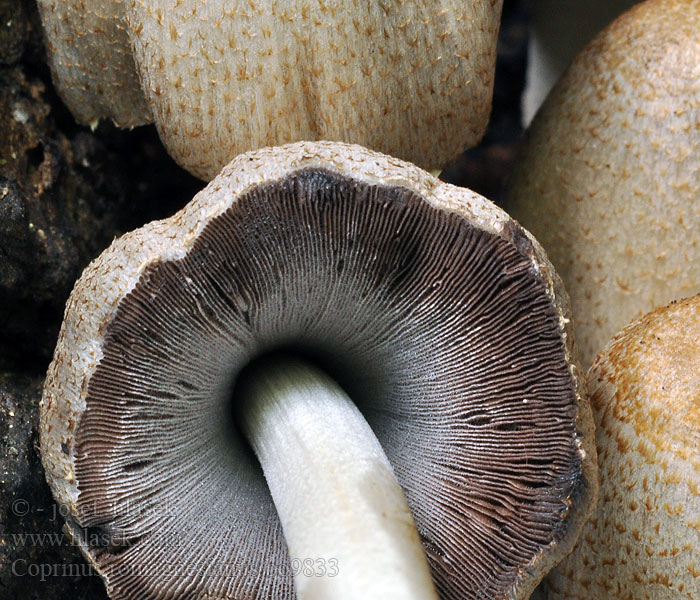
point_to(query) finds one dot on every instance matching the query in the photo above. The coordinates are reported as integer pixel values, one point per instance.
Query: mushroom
(643, 540)
(412, 79)
(608, 177)
(428, 306)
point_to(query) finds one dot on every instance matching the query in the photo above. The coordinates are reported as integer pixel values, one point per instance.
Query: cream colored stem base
(350, 533)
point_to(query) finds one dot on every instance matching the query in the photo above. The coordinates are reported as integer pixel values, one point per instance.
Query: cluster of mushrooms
(332, 375)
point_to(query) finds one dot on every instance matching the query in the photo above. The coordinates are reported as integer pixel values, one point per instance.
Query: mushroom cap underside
(421, 299)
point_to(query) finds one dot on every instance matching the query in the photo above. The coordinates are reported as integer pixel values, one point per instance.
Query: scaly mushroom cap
(91, 61)
(421, 298)
(609, 176)
(643, 540)
(412, 79)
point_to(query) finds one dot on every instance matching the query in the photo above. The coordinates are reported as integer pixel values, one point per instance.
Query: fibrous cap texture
(440, 316)
(91, 61)
(609, 177)
(412, 78)
(643, 540)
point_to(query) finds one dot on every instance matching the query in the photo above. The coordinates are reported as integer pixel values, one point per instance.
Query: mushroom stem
(346, 522)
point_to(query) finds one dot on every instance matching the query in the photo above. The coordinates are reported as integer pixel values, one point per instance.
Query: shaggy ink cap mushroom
(439, 317)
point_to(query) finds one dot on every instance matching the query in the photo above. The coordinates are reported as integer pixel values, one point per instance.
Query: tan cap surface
(608, 180)
(91, 61)
(412, 79)
(643, 541)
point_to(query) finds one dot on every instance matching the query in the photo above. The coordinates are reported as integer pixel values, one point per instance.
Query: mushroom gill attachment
(413, 79)
(438, 316)
(608, 177)
(643, 540)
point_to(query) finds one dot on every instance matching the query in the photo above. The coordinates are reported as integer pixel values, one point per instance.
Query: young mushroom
(643, 540)
(412, 79)
(436, 314)
(608, 178)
